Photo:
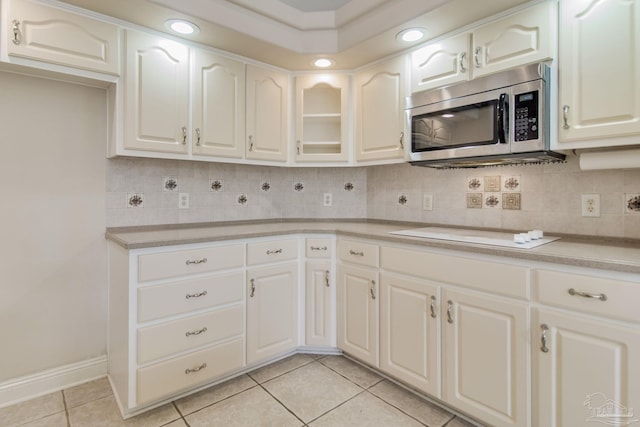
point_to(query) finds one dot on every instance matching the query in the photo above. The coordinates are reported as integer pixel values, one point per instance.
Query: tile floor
(301, 390)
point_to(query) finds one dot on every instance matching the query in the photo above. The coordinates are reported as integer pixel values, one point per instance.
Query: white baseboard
(45, 382)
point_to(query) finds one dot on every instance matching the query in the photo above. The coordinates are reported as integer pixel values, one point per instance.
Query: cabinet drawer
(171, 376)
(593, 295)
(159, 301)
(319, 248)
(180, 263)
(277, 250)
(505, 279)
(358, 253)
(180, 335)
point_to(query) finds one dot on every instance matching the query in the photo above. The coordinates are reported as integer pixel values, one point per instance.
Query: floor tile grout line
(66, 410)
(283, 405)
(337, 406)
(403, 411)
(350, 380)
(279, 375)
(221, 400)
(173, 402)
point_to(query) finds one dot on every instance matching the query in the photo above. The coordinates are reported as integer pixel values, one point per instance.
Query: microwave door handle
(502, 118)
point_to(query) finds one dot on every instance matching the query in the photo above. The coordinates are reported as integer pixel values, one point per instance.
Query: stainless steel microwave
(498, 119)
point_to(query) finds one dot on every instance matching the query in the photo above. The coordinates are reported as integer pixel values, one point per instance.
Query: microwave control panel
(526, 112)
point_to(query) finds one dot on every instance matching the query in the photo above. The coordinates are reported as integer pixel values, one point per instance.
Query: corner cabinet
(522, 38)
(52, 35)
(379, 111)
(599, 76)
(267, 114)
(322, 118)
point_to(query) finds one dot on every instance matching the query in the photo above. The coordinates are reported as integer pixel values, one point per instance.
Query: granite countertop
(610, 254)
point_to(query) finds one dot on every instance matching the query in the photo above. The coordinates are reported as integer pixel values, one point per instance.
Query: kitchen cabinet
(379, 111)
(410, 331)
(156, 94)
(48, 34)
(597, 103)
(486, 357)
(163, 114)
(322, 118)
(267, 114)
(218, 105)
(521, 38)
(272, 298)
(320, 293)
(358, 290)
(585, 313)
(272, 311)
(176, 319)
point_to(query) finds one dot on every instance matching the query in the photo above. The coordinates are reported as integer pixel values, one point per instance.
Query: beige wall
(52, 216)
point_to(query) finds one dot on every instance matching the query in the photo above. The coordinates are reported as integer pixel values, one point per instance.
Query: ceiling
(292, 33)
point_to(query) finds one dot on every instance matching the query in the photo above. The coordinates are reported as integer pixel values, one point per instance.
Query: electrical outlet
(591, 205)
(183, 200)
(427, 202)
(327, 200)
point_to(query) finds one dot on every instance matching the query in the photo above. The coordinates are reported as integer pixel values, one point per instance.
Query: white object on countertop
(493, 238)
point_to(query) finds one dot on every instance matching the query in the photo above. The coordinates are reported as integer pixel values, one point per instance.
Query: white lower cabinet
(358, 312)
(410, 331)
(318, 304)
(486, 357)
(272, 311)
(586, 370)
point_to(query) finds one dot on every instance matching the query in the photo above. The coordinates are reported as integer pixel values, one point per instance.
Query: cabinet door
(319, 304)
(410, 331)
(379, 108)
(588, 371)
(486, 357)
(522, 38)
(599, 76)
(156, 115)
(52, 35)
(272, 311)
(358, 313)
(267, 114)
(441, 63)
(322, 118)
(218, 105)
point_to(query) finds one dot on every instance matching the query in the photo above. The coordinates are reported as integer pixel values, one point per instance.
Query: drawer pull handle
(253, 287)
(196, 295)
(318, 248)
(326, 278)
(601, 297)
(274, 251)
(373, 289)
(198, 369)
(354, 253)
(16, 32)
(198, 332)
(450, 311)
(197, 261)
(543, 338)
(432, 306)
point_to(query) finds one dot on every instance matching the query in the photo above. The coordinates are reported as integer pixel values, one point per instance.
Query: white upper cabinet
(218, 101)
(156, 95)
(267, 114)
(322, 118)
(48, 34)
(599, 72)
(441, 63)
(521, 38)
(379, 111)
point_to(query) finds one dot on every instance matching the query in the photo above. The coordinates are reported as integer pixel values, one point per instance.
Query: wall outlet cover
(183, 200)
(427, 202)
(590, 205)
(327, 199)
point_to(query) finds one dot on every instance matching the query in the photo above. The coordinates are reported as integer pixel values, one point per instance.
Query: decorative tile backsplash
(547, 197)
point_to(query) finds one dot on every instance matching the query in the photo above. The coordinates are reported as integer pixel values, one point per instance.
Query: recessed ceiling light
(181, 26)
(323, 62)
(410, 34)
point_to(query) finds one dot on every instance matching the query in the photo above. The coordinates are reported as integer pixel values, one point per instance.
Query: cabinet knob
(184, 134)
(461, 59)
(573, 292)
(250, 142)
(191, 370)
(401, 139)
(476, 56)
(326, 278)
(196, 295)
(298, 147)
(198, 136)
(373, 289)
(432, 306)
(253, 287)
(17, 39)
(450, 311)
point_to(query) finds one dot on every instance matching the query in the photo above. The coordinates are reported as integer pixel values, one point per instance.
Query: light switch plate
(327, 200)
(183, 200)
(427, 202)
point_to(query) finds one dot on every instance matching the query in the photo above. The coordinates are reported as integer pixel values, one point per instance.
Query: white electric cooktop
(493, 238)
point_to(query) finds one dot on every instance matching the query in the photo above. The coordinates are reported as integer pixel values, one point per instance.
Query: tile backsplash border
(548, 196)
